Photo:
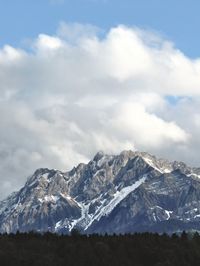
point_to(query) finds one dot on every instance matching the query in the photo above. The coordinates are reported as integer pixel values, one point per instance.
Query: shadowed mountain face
(129, 192)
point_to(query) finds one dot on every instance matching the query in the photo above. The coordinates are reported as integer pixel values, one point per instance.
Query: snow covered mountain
(132, 191)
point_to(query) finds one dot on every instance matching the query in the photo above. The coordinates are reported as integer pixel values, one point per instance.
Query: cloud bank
(75, 93)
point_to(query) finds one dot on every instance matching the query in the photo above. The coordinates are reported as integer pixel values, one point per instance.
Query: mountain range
(130, 192)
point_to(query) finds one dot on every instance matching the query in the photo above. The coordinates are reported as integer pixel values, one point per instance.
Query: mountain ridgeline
(125, 193)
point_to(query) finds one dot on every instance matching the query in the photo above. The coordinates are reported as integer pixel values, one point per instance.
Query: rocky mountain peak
(127, 154)
(131, 191)
(99, 155)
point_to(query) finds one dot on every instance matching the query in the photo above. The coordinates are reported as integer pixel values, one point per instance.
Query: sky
(178, 20)
(81, 76)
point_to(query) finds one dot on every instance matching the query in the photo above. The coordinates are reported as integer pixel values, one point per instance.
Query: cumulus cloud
(79, 92)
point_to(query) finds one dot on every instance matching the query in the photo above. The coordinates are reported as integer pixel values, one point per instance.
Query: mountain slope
(132, 191)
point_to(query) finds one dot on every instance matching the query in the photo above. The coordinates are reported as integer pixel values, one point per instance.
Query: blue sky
(177, 20)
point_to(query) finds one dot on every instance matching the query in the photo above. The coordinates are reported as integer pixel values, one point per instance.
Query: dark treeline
(144, 249)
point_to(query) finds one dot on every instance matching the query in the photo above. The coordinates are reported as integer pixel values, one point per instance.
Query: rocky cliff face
(129, 192)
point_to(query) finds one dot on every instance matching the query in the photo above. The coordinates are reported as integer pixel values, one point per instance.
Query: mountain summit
(129, 192)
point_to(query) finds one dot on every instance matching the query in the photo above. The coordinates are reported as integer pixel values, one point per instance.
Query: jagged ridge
(132, 191)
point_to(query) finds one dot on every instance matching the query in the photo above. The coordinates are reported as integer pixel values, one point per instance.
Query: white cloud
(74, 32)
(76, 93)
(9, 54)
(147, 129)
(46, 42)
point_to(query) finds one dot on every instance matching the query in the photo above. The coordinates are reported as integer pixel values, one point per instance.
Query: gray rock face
(129, 192)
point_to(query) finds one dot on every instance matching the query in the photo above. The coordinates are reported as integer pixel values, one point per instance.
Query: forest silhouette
(143, 249)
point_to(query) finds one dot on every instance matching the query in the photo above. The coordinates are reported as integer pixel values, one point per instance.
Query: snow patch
(166, 170)
(45, 176)
(49, 198)
(104, 210)
(193, 174)
(168, 214)
(58, 224)
(66, 196)
(105, 207)
(84, 215)
(152, 164)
